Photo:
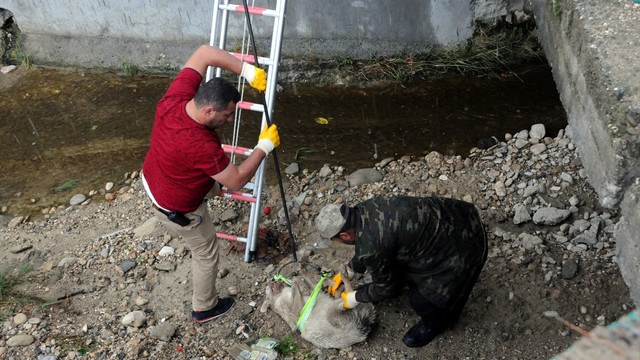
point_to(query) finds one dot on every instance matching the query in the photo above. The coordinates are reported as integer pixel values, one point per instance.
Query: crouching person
(435, 246)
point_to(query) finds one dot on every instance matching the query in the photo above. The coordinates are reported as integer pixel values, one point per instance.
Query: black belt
(174, 216)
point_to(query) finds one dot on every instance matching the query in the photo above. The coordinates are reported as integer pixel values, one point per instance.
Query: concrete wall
(162, 33)
(593, 49)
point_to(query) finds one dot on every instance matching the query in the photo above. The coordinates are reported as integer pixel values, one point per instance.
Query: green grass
(10, 276)
(287, 346)
(493, 50)
(300, 153)
(129, 69)
(67, 185)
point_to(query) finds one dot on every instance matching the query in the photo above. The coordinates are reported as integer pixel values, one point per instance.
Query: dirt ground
(80, 287)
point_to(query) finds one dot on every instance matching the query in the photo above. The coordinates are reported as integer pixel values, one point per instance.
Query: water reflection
(60, 125)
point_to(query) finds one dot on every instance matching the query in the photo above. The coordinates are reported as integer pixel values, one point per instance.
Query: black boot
(421, 334)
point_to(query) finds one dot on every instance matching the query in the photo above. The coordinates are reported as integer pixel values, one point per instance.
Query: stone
(537, 131)
(7, 69)
(569, 269)
(521, 215)
(550, 216)
(292, 169)
(127, 265)
(147, 228)
(164, 331)
(166, 251)
(20, 340)
(20, 319)
(364, 176)
(77, 199)
(135, 318)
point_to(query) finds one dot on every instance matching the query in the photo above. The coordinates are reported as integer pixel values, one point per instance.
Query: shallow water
(60, 126)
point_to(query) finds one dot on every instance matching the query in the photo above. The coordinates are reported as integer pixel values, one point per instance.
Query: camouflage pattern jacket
(431, 242)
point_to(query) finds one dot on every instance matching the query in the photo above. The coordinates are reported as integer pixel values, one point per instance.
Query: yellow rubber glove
(349, 299)
(255, 76)
(269, 139)
(337, 281)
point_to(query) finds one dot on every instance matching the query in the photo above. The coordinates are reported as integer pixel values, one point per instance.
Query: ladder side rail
(276, 44)
(214, 34)
(224, 24)
(254, 216)
(274, 55)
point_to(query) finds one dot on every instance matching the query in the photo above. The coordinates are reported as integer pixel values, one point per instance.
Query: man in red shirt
(185, 160)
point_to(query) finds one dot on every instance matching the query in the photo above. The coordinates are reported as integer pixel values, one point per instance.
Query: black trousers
(434, 316)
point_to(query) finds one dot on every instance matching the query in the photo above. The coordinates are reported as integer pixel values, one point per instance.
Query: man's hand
(349, 299)
(269, 139)
(255, 76)
(352, 275)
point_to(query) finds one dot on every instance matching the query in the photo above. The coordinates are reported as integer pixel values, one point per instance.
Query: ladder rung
(252, 10)
(251, 59)
(231, 237)
(246, 105)
(237, 150)
(237, 195)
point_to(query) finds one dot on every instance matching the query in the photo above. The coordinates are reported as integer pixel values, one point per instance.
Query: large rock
(364, 176)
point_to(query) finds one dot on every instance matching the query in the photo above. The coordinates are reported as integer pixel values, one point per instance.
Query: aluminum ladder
(219, 24)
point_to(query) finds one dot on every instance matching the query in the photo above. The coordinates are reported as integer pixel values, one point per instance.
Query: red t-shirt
(183, 154)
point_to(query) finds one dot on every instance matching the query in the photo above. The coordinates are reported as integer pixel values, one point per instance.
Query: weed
(20, 56)
(6, 282)
(67, 185)
(557, 8)
(287, 346)
(10, 276)
(301, 151)
(129, 69)
(492, 51)
(74, 343)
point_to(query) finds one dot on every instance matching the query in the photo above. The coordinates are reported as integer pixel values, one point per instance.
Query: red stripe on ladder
(236, 150)
(246, 105)
(237, 195)
(245, 57)
(252, 9)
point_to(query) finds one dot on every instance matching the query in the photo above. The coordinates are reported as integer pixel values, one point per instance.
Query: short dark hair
(216, 92)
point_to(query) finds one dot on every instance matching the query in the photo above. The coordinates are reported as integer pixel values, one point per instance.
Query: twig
(70, 295)
(22, 249)
(608, 344)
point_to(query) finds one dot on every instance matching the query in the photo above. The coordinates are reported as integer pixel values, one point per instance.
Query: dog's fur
(330, 324)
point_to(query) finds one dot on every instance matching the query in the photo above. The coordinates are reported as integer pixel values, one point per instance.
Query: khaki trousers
(200, 237)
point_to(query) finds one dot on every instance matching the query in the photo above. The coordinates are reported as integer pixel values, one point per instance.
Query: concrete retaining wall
(592, 47)
(107, 33)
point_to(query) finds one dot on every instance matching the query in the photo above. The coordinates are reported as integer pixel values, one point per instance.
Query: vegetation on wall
(493, 50)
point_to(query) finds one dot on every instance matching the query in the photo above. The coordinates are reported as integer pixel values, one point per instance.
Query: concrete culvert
(8, 34)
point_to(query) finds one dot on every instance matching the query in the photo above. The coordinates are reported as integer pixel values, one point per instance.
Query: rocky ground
(107, 282)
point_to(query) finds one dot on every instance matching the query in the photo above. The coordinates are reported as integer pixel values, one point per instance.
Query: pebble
(20, 319)
(20, 340)
(135, 318)
(77, 199)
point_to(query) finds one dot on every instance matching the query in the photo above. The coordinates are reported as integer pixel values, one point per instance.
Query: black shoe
(421, 334)
(224, 305)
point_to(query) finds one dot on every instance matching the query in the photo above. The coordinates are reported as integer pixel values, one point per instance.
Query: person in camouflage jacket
(436, 246)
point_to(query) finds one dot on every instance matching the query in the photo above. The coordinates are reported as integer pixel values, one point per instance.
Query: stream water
(68, 131)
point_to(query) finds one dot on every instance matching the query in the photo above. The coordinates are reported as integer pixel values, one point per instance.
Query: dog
(330, 324)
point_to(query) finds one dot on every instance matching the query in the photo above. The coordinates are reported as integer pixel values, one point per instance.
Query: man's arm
(235, 177)
(206, 56)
